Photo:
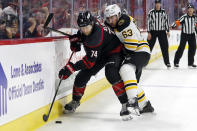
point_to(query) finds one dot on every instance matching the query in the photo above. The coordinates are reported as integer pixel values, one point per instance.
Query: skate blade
(192, 67)
(68, 111)
(137, 112)
(168, 68)
(126, 117)
(134, 111)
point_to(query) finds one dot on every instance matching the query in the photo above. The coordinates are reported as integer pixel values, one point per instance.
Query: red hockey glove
(68, 70)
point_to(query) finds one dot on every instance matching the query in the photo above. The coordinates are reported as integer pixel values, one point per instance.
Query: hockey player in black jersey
(137, 53)
(102, 48)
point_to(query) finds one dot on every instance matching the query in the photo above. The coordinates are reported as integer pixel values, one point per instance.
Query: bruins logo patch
(121, 22)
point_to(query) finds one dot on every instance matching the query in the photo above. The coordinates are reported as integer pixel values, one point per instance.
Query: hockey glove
(75, 46)
(68, 70)
(75, 37)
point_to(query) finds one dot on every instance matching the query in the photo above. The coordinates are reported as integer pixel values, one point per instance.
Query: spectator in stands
(27, 12)
(62, 14)
(1, 9)
(33, 26)
(12, 9)
(103, 9)
(5, 31)
(9, 15)
(82, 7)
(93, 7)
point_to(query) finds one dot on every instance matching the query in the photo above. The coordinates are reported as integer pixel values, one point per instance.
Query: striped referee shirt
(157, 20)
(187, 22)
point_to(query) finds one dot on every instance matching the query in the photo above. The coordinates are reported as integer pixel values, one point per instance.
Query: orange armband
(178, 23)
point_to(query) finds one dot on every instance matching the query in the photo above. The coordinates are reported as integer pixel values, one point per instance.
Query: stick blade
(48, 20)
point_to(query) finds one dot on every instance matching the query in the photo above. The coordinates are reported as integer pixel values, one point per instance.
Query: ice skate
(124, 113)
(133, 104)
(147, 109)
(71, 107)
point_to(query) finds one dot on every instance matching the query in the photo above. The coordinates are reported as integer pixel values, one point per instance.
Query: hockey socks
(120, 92)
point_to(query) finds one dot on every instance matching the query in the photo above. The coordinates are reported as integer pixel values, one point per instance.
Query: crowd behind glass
(25, 18)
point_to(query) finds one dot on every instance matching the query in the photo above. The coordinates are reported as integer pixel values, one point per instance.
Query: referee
(188, 22)
(158, 26)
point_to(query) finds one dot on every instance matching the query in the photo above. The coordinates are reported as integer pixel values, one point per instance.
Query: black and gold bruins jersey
(129, 34)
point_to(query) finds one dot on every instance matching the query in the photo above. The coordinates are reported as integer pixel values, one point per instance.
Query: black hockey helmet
(157, 1)
(84, 19)
(190, 5)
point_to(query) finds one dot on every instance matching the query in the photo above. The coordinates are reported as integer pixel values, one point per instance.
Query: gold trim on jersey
(142, 41)
(130, 46)
(131, 40)
(142, 46)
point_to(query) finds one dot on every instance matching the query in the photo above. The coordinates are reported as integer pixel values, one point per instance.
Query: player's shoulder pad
(123, 22)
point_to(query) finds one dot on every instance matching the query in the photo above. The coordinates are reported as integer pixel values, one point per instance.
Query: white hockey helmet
(112, 10)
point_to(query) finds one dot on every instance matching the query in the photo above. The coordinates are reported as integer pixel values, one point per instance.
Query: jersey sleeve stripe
(143, 48)
(143, 41)
(139, 47)
(130, 46)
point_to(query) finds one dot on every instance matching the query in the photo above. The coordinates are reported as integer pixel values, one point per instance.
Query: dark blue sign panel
(3, 92)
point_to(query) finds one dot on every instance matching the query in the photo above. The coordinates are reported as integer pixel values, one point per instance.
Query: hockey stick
(49, 18)
(46, 116)
(58, 31)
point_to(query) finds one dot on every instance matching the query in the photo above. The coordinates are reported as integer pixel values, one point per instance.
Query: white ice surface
(173, 93)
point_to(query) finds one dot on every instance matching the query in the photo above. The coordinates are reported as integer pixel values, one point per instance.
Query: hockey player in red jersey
(137, 53)
(102, 48)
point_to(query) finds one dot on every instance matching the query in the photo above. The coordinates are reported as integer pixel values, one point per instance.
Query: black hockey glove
(67, 70)
(75, 37)
(75, 46)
